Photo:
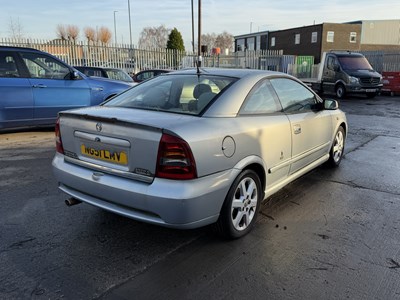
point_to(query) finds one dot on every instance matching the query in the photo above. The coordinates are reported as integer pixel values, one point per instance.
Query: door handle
(296, 129)
(40, 86)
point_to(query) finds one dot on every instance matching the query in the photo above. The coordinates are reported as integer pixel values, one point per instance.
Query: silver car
(196, 147)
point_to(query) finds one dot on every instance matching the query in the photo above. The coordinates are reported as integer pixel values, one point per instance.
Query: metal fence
(383, 61)
(135, 59)
(97, 54)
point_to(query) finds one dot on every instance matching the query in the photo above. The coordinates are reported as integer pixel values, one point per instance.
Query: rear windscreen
(187, 94)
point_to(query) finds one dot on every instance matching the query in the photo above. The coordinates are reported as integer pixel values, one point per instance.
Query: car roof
(87, 67)
(345, 53)
(10, 48)
(152, 70)
(97, 68)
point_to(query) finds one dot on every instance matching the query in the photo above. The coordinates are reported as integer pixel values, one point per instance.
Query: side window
(43, 66)
(96, 73)
(331, 63)
(260, 100)
(8, 66)
(146, 75)
(294, 97)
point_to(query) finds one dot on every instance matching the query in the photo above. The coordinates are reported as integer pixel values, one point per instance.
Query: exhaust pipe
(72, 201)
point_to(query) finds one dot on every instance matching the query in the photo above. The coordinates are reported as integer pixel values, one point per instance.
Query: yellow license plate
(106, 155)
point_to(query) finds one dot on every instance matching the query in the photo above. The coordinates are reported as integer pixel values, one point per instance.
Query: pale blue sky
(39, 18)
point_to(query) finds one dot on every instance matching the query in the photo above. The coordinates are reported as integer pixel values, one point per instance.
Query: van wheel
(340, 91)
(240, 209)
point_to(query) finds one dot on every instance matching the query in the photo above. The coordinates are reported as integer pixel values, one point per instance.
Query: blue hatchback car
(35, 86)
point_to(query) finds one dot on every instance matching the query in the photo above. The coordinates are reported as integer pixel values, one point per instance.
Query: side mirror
(74, 74)
(336, 68)
(331, 104)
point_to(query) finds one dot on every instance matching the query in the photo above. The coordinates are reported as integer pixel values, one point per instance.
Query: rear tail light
(175, 159)
(59, 145)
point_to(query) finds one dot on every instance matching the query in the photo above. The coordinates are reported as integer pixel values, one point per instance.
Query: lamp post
(115, 28)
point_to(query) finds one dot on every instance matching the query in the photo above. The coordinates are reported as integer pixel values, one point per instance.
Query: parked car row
(119, 74)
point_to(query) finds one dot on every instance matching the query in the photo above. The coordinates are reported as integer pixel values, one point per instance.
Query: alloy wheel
(244, 203)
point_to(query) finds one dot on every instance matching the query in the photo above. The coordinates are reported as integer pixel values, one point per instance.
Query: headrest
(200, 89)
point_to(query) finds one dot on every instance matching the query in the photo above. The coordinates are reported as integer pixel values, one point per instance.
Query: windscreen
(354, 63)
(178, 93)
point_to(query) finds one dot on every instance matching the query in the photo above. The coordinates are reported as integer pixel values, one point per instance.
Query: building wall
(286, 40)
(252, 41)
(341, 37)
(383, 48)
(380, 35)
(381, 32)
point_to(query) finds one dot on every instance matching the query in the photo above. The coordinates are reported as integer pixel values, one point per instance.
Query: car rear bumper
(171, 203)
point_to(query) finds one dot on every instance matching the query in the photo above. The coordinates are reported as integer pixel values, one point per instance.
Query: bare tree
(16, 29)
(154, 37)
(90, 34)
(224, 41)
(72, 32)
(208, 40)
(61, 32)
(104, 35)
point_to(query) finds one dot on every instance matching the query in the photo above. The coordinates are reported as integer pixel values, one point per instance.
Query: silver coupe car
(196, 147)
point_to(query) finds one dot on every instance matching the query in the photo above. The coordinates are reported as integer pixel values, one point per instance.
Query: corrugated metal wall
(381, 32)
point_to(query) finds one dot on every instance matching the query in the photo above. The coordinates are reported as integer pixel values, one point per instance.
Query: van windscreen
(354, 63)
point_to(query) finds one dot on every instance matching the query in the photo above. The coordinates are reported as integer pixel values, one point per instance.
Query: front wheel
(336, 153)
(240, 209)
(340, 91)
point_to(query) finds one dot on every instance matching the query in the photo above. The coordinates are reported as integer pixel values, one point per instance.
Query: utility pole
(115, 29)
(194, 60)
(199, 37)
(130, 25)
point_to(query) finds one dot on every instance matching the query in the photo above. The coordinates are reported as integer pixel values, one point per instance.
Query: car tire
(340, 91)
(337, 149)
(240, 209)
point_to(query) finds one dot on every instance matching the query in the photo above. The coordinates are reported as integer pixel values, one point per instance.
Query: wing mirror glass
(331, 104)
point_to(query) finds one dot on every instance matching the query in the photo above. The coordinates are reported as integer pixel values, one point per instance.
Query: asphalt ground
(332, 234)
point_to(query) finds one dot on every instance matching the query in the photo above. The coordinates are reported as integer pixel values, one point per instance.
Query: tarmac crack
(354, 185)
(363, 144)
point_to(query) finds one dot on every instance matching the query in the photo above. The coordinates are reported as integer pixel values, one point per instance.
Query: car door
(329, 74)
(263, 113)
(16, 98)
(54, 89)
(311, 128)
